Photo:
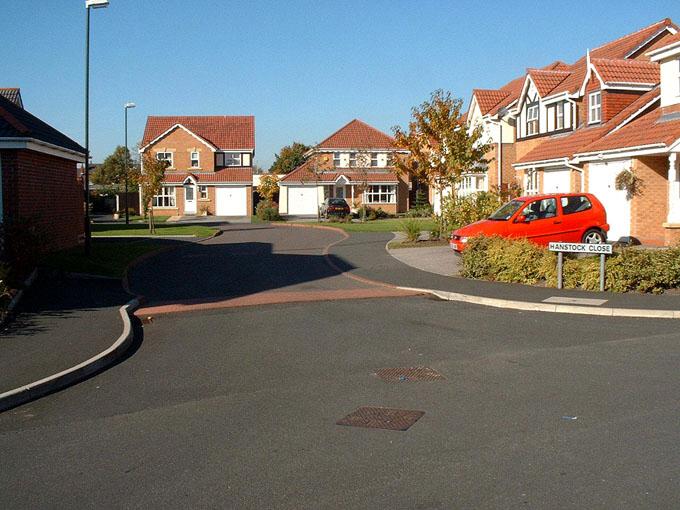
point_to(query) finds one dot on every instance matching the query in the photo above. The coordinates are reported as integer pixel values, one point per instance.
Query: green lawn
(387, 225)
(142, 229)
(106, 259)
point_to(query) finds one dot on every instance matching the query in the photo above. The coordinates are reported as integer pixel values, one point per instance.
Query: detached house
(354, 163)
(210, 162)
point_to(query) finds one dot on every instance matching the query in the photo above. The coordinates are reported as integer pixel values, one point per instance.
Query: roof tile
(224, 132)
(356, 135)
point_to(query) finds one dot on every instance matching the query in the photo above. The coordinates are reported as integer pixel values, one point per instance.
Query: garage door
(601, 183)
(231, 201)
(302, 200)
(556, 181)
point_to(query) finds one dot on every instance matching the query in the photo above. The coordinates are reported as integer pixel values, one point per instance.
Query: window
(166, 198)
(532, 119)
(165, 156)
(381, 194)
(559, 116)
(471, 183)
(352, 159)
(195, 162)
(203, 192)
(540, 209)
(531, 182)
(374, 159)
(571, 205)
(228, 159)
(595, 107)
(336, 159)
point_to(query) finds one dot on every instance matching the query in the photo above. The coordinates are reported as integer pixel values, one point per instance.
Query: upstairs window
(336, 159)
(352, 159)
(374, 159)
(195, 162)
(228, 159)
(165, 156)
(559, 116)
(594, 107)
(532, 119)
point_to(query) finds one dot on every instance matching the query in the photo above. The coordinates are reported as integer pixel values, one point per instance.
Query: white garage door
(556, 181)
(302, 200)
(601, 183)
(231, 201)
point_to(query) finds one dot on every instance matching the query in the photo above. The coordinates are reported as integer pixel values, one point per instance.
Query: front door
(189, 199)
(339, 192)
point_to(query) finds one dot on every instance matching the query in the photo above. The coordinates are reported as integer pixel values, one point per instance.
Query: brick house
(354, 163)
(39, 184)
(210, 163)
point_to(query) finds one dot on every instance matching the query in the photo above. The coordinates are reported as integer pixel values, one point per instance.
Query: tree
(112, 170)
(441, 145)
(268, 187)
(317, 167)
(362, 163)
(150, 184)
(289, 158)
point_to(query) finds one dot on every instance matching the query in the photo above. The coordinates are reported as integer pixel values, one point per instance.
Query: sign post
(595, 249)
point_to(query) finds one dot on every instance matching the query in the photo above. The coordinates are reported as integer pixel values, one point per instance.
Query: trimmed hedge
(520, 261)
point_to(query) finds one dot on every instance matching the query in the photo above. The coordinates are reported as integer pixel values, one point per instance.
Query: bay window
(166, 198)
(381, 194)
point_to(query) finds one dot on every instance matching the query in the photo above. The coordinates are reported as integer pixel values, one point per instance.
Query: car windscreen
(506, 211)
(337, 201)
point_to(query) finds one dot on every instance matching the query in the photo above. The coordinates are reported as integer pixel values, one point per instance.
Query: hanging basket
(627, 181)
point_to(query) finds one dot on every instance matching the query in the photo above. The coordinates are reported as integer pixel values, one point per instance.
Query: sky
(302, 68)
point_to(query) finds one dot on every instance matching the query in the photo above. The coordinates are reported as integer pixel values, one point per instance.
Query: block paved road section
(366, 255)
(237, 409)
(60, 323)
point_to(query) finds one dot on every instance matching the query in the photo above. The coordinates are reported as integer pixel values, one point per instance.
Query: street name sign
(595, 249)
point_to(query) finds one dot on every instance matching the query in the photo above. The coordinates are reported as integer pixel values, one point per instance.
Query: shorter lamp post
(127, 106)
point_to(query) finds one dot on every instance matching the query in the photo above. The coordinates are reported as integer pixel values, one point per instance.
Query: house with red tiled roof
(576, 127)
(210, 163)
(354, 163)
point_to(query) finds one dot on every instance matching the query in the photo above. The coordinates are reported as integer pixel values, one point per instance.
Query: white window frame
(166, 198)
(531, 182)
(202, 192)
(337, 161)
(164, 157)
(352, 163)
(375, 161)
(559, 116)
(471, 183)
(531, 119)
(196, 159)
(595, 108)
(381, 194)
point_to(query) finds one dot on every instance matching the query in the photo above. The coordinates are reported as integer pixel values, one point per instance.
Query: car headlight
(463, 239)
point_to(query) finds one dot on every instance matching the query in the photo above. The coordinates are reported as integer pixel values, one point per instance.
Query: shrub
(423, 211)
(459, 211)
(436, 232)
(421, 199)
(267, 211)
(411, 228)
(371, 214)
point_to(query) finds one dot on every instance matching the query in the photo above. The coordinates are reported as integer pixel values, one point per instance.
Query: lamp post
(89, 4)
(127, 106)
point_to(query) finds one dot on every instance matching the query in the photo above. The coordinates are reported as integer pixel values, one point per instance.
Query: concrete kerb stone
(60, 380)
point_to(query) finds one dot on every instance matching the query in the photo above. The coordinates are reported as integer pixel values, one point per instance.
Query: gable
(178, 135)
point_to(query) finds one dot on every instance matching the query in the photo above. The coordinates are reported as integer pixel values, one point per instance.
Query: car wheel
(594, 236)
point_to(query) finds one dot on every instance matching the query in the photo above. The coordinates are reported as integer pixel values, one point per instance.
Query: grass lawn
(142, 229)
(106, 259)
(387, 225)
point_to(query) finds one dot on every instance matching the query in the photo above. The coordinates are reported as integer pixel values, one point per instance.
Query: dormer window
(595, 107)
(195, 161)
(559, 116)
(227, 159)
(532, 119)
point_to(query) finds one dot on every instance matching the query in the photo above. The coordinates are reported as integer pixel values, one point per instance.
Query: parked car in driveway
(334, 207)
(565, 217)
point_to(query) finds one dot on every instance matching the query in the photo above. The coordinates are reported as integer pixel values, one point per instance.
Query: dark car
(334, 207)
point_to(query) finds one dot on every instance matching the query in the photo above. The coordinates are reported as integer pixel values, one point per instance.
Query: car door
(576, 211)
(539, 221)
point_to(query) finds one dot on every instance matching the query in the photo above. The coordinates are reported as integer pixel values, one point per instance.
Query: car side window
(540, 209)
(571, 205)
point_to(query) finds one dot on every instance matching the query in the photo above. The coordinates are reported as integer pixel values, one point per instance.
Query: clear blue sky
(302, 68)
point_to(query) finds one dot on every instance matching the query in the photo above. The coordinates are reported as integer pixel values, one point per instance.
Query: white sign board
(596, 249)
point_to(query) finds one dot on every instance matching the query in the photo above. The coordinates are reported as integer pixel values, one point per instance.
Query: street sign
(596, 249)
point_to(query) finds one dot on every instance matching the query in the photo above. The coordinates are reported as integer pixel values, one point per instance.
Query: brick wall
(45, 191)
(182, 144)
(649, 210)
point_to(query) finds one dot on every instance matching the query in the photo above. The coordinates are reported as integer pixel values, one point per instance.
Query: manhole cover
(406, 374)
(381, 418)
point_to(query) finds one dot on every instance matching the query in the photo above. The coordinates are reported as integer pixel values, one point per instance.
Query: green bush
(411, 228)
(520, 261)
(267, 211)
(366, 212)
(423, 211)
(459, 211)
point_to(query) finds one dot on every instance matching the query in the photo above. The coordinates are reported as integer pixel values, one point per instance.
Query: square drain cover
(409, 374)
(381, 418)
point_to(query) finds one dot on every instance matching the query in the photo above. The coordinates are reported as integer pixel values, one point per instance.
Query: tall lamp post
(127, 106)
(89, 4)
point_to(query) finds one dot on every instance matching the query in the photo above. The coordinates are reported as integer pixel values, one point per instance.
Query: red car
(565, 217)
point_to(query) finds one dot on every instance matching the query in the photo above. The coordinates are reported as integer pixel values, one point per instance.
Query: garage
(601, 183)
(557, 181)
(302, 200)
(231, 201)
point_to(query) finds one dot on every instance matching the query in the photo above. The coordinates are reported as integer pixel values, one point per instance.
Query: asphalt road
(237, 408)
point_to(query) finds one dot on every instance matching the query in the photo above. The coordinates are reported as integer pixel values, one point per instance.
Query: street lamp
(127, 106)
(89, 4)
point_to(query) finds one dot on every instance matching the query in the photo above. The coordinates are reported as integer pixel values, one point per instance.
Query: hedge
(520, 261)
